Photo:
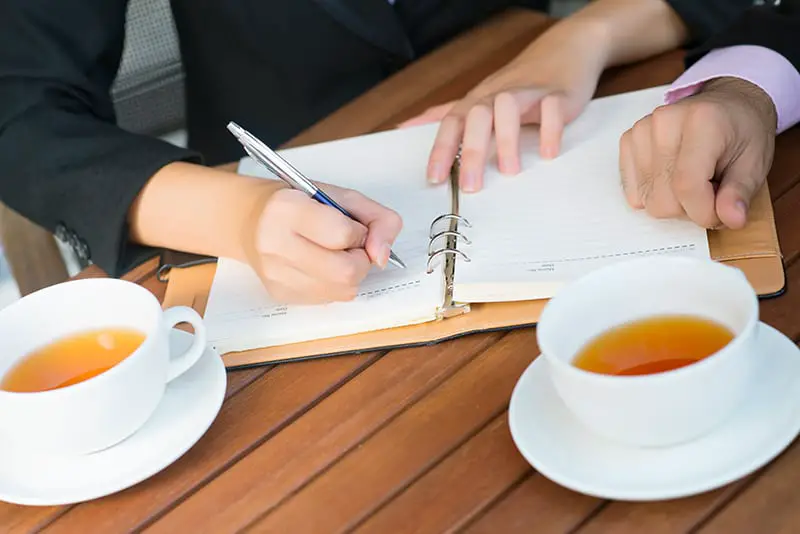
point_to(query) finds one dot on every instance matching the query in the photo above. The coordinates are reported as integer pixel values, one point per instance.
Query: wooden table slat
(282, 465)
(450, 493)
(536, 506)
(19, 520)
(771, 504)
(416, 441)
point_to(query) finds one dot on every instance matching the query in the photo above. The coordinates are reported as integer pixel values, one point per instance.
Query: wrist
(631, 30)
(747, 94)
(576, 41)
(590, 35)
(200, 210)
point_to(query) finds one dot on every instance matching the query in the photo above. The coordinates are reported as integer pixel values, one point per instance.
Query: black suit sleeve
(64, 163)
(776, 28)
(705, 18)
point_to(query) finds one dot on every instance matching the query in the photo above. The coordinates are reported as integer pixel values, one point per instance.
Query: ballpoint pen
(286, 172)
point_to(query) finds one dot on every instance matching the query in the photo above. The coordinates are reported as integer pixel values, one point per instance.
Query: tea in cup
(654, 351)
(84, 364)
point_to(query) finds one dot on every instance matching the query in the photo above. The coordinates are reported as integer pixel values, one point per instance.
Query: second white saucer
(189, 406)
(563, 450)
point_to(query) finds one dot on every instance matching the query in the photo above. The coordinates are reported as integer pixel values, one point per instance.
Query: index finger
(328, 227)
(445, 148)
(383, 224)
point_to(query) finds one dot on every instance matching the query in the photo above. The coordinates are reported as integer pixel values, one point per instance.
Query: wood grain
(282, 465)
(397, 455)
(22, 519)
(536, 506)
(787, 221)
(457, 489)
(31, 251)
(770, 505)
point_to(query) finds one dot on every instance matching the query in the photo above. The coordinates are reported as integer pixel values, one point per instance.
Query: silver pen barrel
(267, 157)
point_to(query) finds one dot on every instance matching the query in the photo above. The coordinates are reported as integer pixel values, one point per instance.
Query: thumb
(738, 185)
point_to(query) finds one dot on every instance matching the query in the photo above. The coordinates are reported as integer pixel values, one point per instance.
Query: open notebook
(475, 261)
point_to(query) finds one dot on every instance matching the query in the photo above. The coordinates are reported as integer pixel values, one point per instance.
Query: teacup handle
(179, 364)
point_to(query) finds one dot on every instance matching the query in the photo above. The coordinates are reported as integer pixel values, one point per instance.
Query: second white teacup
(665, 408)
(103, 410)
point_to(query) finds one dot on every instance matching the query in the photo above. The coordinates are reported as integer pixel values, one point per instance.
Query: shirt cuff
(763, 67)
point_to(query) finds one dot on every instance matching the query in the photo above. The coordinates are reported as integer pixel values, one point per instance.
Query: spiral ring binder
(446, 233)
(452, 234)
(450, 216)
(449, 250)
(442, 251)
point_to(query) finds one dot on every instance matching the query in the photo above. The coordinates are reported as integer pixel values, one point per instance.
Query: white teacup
(102, 411)
(665, 408)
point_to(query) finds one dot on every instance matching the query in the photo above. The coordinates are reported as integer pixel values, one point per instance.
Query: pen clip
(270, 159)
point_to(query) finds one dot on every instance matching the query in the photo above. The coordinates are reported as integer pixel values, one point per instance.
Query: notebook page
(559, 219)
(387, 167)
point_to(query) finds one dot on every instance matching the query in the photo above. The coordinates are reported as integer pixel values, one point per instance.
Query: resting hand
(308, 253)
(549, 84)
(703, 157)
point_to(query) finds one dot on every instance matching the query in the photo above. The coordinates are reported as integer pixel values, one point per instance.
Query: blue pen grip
(320, 196)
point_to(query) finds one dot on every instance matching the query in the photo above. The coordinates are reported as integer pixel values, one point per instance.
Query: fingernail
(435, 173)
(548, 152)
(383, 257)
(741, 206)
(469, 181)
(508, 167)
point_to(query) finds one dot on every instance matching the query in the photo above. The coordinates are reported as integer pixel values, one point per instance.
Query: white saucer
(561, 449)
(190, 404)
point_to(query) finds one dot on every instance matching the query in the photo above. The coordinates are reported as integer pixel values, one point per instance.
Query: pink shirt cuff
(769, 70)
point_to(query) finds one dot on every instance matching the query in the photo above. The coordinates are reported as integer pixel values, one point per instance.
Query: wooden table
(417, 440)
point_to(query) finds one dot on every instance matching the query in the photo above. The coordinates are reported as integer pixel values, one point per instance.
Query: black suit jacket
(274, 66)
(776, 27)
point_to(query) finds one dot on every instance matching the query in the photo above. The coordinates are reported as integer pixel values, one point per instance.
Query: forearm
(630, 30)
(197, 209)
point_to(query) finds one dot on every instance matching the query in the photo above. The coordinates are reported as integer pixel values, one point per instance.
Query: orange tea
(653, 345)
(71, 359)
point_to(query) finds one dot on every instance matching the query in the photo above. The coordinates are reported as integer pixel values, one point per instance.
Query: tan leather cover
(754, 250)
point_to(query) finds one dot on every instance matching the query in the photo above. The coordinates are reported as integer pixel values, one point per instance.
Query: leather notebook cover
(754, 250)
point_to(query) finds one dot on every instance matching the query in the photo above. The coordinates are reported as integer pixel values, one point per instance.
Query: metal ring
(445, 251)
(444, 233)
(464, 221)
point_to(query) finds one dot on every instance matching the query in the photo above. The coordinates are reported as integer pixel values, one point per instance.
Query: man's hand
(703, 157)
(308, 253)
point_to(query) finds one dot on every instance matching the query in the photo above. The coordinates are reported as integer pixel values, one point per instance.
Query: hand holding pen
(311, 253)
